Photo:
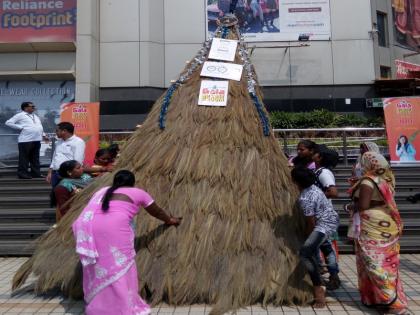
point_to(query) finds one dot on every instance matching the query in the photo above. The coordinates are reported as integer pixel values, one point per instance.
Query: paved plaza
(344, 301)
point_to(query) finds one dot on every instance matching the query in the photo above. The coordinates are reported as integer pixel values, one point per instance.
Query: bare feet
(319, 295)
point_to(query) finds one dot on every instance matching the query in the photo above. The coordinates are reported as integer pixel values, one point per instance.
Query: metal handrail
(274, 130)
(332, 129)
(344, 135)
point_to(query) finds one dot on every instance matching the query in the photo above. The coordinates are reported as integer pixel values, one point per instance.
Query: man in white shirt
(68, 147)
(29, 140)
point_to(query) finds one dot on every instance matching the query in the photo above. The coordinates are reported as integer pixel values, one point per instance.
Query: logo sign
(213, 93)
(24, 21)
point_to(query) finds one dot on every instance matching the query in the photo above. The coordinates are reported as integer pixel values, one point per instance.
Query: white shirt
(326, 178)
(30, 126)
(65, 150)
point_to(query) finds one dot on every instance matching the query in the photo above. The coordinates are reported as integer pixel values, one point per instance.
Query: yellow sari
(377, 245)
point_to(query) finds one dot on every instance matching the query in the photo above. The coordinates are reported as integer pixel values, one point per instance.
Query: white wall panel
(184, 21)
(272, 65)
(175, 57)
(152, 21)
(56, 61)
(350, 19)
(119, 20)
(353, 62)
(119, 64)
(152, 64)
(311, 65)
(18, 62)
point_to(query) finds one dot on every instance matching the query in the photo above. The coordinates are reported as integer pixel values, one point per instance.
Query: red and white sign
(37, 21)
(406, 70)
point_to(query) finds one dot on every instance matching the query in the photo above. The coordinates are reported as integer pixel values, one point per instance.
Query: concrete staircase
(25, 213)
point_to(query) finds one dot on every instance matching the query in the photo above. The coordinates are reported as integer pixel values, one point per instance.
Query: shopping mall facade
(124, 53)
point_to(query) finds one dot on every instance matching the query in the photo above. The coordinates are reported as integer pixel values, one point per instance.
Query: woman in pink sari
(105, 243)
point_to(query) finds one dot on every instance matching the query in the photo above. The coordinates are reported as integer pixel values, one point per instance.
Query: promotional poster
(274, 20)
(37, 21)
(47, 96)
(406, 23)
(402, 117)
(85, 118)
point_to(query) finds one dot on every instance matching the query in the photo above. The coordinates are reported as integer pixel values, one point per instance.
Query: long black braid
(123, 178)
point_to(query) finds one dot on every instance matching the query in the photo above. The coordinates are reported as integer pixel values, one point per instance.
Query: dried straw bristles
(240, 234)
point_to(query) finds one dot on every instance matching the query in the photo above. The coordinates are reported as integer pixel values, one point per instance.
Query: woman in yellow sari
(377, 229)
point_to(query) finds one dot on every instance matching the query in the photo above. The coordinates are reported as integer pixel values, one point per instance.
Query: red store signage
(26, 21)
(406, 70)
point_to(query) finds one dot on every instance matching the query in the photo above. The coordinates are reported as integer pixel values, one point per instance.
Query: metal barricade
(345, 141)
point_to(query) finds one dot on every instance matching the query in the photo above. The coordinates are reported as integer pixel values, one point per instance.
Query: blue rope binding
(225, 31)
(166, 102)
(263, 117)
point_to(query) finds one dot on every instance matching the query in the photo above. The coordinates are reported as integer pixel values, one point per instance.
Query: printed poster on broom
(85, 118)
(402, 117)
(213, 93)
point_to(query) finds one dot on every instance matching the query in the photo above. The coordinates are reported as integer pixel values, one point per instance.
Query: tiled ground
(343, 301)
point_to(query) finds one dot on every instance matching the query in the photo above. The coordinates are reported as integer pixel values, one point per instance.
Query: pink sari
(105, 244)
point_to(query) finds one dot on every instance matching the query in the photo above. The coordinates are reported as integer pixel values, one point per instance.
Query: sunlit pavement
(346, 300)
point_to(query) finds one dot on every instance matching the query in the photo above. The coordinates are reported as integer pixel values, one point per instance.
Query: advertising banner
(406, 70)
(35, 21)
(406, 23)
(47, 96)
(402, 117)
(85, 118)
(274, 20)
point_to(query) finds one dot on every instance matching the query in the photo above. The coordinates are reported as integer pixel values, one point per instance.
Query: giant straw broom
(222, 170)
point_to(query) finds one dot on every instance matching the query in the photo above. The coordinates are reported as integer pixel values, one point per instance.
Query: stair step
(16, 247)
(18, 202)
(28, 231)
(14, 181)
(408, 243)
(27, 215)
(10, 191)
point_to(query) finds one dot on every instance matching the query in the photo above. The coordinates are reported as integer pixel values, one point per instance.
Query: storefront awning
(397, 87)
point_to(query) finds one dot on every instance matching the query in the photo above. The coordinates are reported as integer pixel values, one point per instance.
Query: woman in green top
(72, 181)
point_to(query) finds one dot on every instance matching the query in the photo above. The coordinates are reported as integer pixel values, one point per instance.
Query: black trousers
(29, 157)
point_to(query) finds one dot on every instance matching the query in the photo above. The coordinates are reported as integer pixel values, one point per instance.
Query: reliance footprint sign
(24, 21)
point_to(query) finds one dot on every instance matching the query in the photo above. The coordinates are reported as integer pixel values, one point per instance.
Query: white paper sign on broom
(213, 93)
(222, 70)
(223, 49)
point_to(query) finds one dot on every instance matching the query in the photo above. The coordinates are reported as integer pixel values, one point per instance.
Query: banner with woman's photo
(274, 20)
(406, 14)
(402, 117)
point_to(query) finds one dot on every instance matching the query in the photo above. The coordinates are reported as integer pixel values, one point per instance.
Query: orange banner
(85, 118)
(402, 117)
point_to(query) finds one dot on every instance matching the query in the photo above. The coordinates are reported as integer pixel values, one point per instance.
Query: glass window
(381, 19)
(385, 72)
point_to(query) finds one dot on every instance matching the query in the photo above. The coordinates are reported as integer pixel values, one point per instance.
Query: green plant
(321, 118)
